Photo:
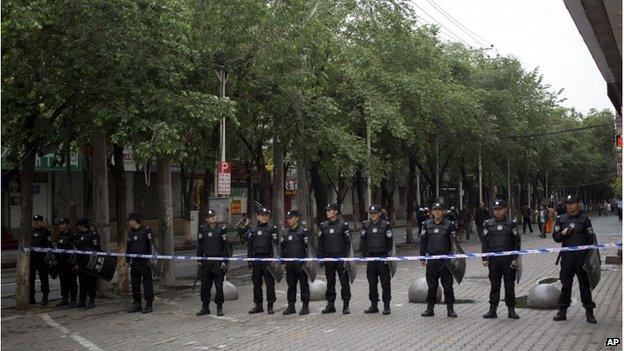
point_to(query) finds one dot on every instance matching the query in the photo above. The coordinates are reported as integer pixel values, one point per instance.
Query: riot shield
(457, 266)
(518, 269)
(100, 266)
(311, 267)
(592, 267)
(230, 252)
(351, 265)
(392, 264)
(274, 267)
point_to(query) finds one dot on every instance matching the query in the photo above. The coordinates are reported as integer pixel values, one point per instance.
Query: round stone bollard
(544, 296)
(230, 292)
(317, 290)
(417, 291)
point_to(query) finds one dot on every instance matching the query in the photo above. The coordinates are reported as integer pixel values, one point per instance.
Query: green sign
(52, 162)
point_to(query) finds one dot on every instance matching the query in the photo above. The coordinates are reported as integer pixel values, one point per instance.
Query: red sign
(225, 177)
(618, 141)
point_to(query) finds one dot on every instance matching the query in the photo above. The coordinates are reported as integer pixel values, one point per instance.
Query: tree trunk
(141, 192)
(121, 189)
(303, 193)
(410, 200)
(320, 192)
(249, 184)
(278, 182)
(100, 196)
(187, 184)
(361, 200)
(165, 216)
(22, 285)
(88, 187)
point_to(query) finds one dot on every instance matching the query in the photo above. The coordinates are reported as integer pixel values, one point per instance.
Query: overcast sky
(540, 33)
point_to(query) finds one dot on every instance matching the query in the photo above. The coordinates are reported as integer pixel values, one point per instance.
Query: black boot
(372, 309)
(44, 301)
(91, 303)
(63, 302)
(512, 312)
(136, 307)
(589, 312)
(561, 315)
(345, 307)
(270, 308)
(386, 310)
(148, 307)
(82, 303)
(204, 310)
(329, 308)
(257, 309)
(220, 309)
(305, 309)
(429, 311)
(290, 309)
(491, 313)
(72, 303)
(449, 311)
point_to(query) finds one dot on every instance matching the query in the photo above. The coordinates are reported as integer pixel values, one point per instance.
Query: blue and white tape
(328, 259)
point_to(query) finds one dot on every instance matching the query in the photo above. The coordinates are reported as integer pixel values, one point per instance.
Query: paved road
(173, 325)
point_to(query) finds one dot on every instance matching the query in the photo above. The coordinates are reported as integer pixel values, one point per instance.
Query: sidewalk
(174, 326)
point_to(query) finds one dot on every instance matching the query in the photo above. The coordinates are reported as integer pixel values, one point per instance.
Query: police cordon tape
(329, 259)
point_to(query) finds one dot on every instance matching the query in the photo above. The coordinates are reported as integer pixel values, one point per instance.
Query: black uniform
(334, 241)
(482, 214)
(436, 239)
(294, 244)
(421, 217)
(65, 261)
(213, 242)
(87, 241)
(580, 232)
(501, 236)
(140, 242)
(39, 238)
(260, 241)
(376, 241)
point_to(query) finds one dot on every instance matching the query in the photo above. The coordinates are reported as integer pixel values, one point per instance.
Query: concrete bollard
(317, 290)
(230, 292)
(544, 296)
(417, 291)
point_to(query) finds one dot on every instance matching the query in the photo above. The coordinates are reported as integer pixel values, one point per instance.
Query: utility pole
(437, 172)
(480, 181)
(418, 189)
(368, 170)
(223, 77)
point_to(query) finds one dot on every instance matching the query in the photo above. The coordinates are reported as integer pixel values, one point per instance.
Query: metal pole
(509, 182)
(368, 171)
(437, 174)
(461, 196)
(480, 181)
(222, 75)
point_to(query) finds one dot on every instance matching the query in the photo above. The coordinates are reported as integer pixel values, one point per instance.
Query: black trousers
(331, 269)
(260, 271)
(294, 275)
(69, 283)
(38, 265)
(525, 222)
(211, 273)
(378, 271)
(141, 272)
(88, 286)
(572, 264)
(438, 270)
(500, 268)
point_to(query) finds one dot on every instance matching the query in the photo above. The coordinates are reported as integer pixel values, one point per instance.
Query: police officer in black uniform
(261, 239)
(574, 229)
(334, 241)
(436, 239)
(88, 240)
(501, 234)
(212, 242)
(376, 241)
(140, 242)
(40, 237)
(294, 244)
(65, 262)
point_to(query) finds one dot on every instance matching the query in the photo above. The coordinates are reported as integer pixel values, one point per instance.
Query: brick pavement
(174, 326)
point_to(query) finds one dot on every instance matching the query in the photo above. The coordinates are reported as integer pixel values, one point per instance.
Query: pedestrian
(574, 229)
(436, 238)
(377, 241)
(294, 244)
(140, 242)
(466, 216)
(526, 219)
(619, 210)
(542, 218)
(212, 242)
(550, 220)
(42, 238)
(481, 215)
(88, 240)
(421, 217)
(65, 261)
(261, 241)
(334, 241)
(501, 234)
